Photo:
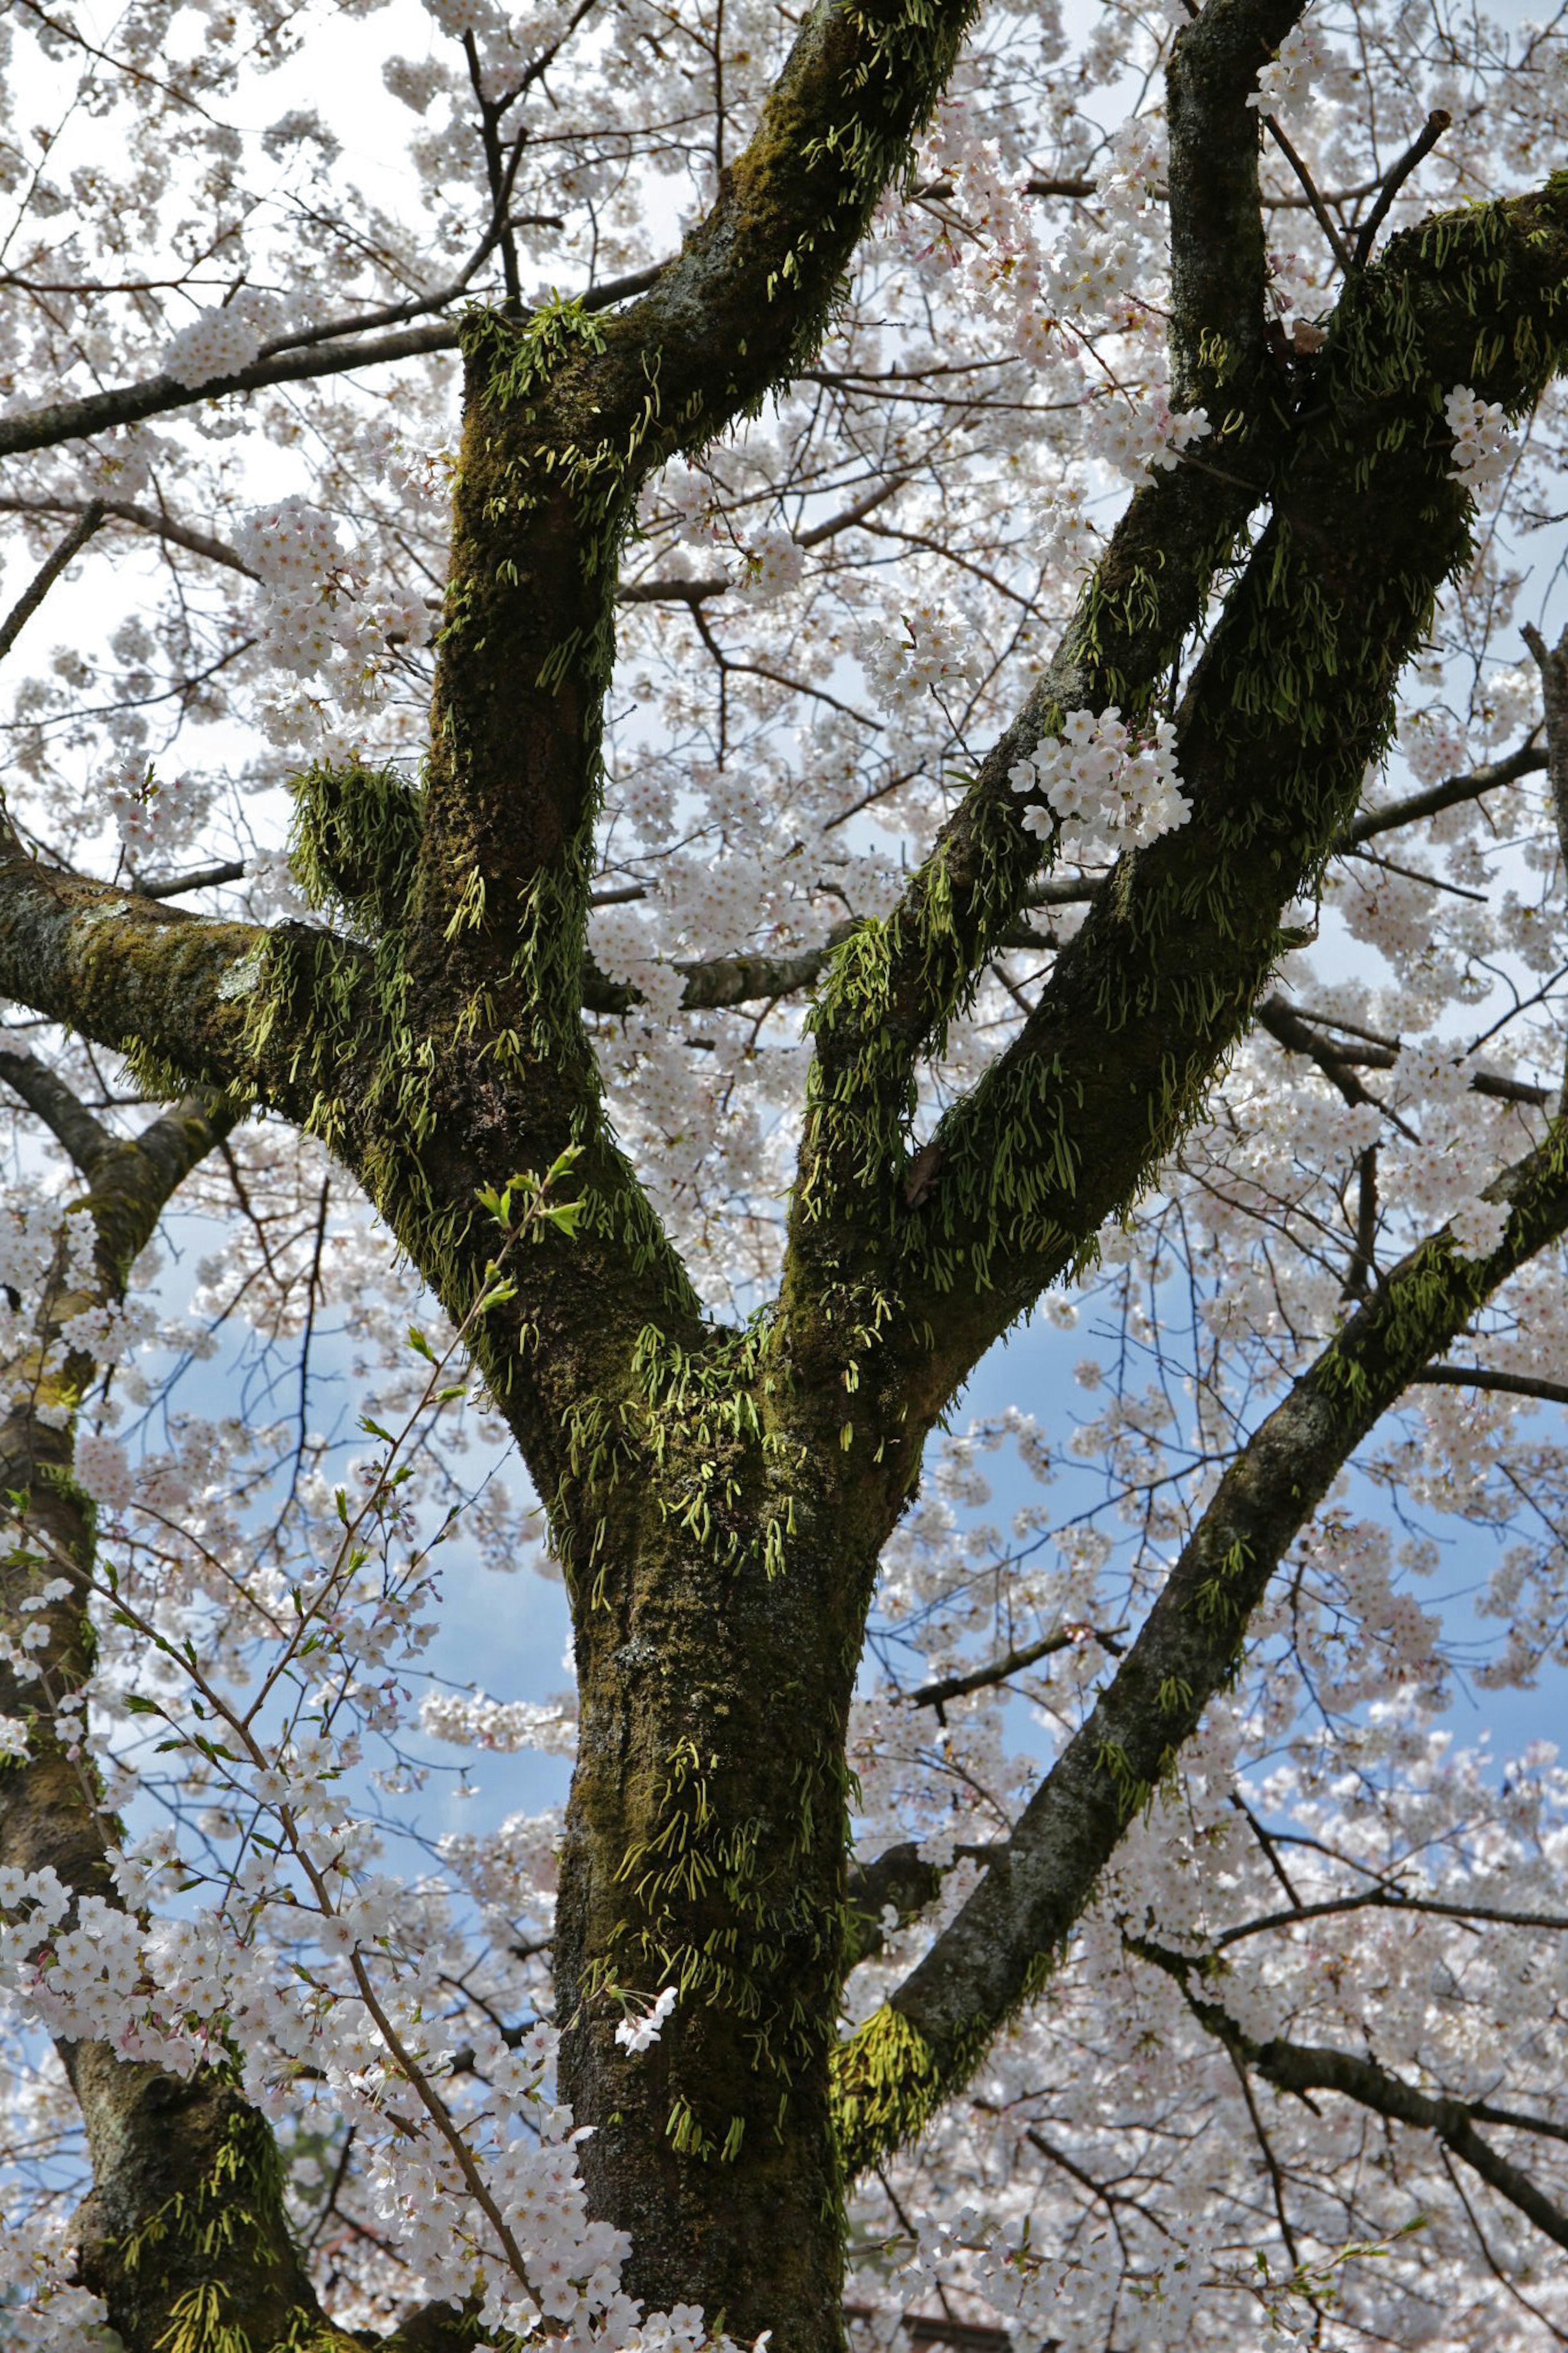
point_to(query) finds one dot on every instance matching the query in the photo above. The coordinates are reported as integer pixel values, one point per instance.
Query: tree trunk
(706, 1850)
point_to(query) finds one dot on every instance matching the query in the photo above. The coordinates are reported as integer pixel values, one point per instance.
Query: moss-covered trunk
(705, 1849)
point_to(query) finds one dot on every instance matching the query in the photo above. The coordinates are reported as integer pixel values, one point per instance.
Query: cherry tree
(741, 694)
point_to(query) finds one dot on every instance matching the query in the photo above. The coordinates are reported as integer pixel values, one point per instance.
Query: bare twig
(1479, 1376)
(48, 572)
(1425, 139)
(175, 886)
(1320, 210)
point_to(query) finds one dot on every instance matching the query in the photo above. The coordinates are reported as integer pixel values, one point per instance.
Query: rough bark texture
(705, 1848)
(184, 2234)
(719, 1498)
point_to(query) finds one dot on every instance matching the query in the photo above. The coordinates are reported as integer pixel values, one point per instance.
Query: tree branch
(1294, 687)
(1218, 262)
(897, 1877)
(1319, 210)
(1387, 1899)
(297, 359)
(563, 418)
(1012, 1663)
(206, 878)
(746, 300)
(152, 520)
(895, 984)
(1300, 2068)
(166, 2152)
(1552, 663)
(926, 2041)
(62, 1112)
(155, 983)
(1300, 1032)
(1478, 1376)
(1527, 761)
(48, 572)
(1425, 139)
(132, 404)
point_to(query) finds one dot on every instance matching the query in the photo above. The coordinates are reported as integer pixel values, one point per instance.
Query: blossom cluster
(215, 345)
(319, 620)
(1483, 446)
(1103, 791)
(417, 82)
(1092, 271)
(932, 652)
(1299, 60)
(1138, 439)
(640, 2033)
(771, 564)
(471, 1720)
(164, 1994)
(153, 814)
(460, 17)
(1444, 1177)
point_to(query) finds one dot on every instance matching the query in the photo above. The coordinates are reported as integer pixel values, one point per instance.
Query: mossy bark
(705, 1849)
(921, 2049)
(183, 2232)
(719, 1499)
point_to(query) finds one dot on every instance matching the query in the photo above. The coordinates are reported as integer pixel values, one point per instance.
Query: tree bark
(706, 1845)
(183, 2232)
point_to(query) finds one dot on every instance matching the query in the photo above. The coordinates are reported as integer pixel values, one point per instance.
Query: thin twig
(1320, 210)
(1477, 1376)
(1437, 122)
(48, 572)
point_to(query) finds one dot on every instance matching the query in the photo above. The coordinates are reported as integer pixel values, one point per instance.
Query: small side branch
(1065, 1637)
(1302, 2068)
(1425, 139)
(1477, 1376)
(48, 572)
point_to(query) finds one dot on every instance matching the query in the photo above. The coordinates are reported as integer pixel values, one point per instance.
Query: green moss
(888, 2082)
(212, 2268)
(355, 841)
